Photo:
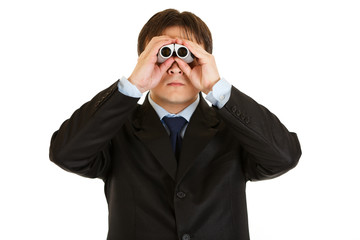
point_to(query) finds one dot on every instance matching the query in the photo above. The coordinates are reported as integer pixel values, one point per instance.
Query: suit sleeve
(82, 144)
(270, 149)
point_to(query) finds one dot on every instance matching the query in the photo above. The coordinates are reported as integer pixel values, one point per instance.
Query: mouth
(175, 84)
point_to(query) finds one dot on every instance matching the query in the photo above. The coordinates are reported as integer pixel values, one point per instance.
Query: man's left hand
(204, 73)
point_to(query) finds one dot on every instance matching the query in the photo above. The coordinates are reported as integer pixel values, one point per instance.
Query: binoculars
(177, 50)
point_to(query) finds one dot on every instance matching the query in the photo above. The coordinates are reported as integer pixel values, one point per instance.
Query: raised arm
(270, 149)
(83, 142)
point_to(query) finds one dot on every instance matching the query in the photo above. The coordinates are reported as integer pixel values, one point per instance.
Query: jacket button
(181, 195)
(233, 109)
(186, 237)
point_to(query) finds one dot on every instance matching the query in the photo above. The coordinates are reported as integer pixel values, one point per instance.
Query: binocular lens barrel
(177, 50)
(166, 52)
(182, 52)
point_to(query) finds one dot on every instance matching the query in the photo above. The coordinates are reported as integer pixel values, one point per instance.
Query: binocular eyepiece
(177, 50)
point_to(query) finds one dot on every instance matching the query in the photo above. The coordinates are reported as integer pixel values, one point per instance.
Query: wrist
(140, 88)
(210, 87)
(220, 93)
(128, 89)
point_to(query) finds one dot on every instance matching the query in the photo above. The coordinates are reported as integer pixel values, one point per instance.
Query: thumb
(184, 66)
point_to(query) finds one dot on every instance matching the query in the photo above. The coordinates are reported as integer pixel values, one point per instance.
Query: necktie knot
(175, 124)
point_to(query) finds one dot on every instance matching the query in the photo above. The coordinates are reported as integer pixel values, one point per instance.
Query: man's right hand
(148, 73)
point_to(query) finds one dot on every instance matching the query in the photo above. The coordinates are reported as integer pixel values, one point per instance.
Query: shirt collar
(186, 113)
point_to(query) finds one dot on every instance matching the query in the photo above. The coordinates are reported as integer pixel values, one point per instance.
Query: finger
(183, 66)
(156, 43)
(158, 39)
(195, 48)
(166, 65)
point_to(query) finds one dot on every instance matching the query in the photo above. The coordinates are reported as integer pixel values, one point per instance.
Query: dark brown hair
(193, 26)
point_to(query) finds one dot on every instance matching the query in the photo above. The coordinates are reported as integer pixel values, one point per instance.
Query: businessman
(175, 167)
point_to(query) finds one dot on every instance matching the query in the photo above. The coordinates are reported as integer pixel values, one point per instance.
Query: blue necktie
(175, 125)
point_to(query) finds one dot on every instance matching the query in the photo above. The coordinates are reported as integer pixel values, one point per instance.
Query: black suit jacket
(149, 195)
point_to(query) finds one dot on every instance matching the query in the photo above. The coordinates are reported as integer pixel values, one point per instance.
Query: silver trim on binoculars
(181, 52)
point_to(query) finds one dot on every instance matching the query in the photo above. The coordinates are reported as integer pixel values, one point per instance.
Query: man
(162, 184)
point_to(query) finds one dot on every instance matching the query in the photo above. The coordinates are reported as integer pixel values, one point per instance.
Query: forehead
(178, 32)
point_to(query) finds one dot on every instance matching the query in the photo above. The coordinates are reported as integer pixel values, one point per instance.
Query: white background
(301, 59)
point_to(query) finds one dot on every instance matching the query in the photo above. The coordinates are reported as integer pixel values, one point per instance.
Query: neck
(174, 108)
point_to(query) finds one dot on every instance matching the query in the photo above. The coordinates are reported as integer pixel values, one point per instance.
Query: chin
(178, 100)
(174, 96)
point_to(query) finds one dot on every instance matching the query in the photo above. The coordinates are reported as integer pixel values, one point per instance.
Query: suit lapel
(201, 129)
(149, 129)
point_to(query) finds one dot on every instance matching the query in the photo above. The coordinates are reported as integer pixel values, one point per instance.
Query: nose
(174, 69)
